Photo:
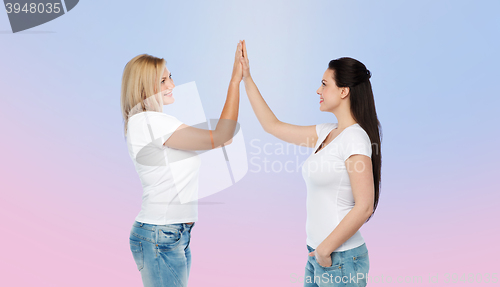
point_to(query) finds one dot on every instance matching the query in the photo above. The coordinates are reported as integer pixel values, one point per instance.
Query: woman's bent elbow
(228, 142)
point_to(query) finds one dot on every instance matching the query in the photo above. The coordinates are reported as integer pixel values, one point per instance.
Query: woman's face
(167, 85)
(330, 94)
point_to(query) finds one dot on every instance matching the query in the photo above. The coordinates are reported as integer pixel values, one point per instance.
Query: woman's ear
(345, 92)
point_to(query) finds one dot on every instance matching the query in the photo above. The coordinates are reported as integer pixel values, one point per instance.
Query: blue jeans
(349, 268)
(162, 253)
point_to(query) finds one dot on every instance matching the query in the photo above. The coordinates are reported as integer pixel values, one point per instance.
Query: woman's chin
(168, 100)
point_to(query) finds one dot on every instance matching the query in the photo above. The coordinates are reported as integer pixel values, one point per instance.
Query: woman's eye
(163, 82)
(170, 76)
(323, 84)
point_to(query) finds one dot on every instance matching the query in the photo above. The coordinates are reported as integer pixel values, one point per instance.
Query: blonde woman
(160, 236)
(342, 175)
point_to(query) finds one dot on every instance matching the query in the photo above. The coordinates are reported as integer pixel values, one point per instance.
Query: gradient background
(70, 193)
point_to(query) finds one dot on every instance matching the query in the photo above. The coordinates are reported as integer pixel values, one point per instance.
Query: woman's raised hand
(237, 75)
(244, 61)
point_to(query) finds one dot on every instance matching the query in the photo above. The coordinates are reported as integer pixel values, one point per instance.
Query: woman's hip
(349, 267)
(164, 238)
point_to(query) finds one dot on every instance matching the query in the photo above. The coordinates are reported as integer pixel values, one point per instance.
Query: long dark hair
(348, 72)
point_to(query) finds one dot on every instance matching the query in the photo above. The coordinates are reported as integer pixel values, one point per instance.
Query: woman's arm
(299, 135)
(191, 138)
(359, 168)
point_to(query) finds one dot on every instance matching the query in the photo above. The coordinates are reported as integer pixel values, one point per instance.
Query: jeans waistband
(350, 252)
(179, 226)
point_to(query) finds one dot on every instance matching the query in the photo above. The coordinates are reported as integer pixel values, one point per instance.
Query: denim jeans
(162, 253)
(349, 268)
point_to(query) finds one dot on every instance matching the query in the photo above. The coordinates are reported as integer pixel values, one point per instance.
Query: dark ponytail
(348, 72)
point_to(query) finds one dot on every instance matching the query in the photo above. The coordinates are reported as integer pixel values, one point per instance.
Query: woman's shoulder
(151, 115)
(356, 133)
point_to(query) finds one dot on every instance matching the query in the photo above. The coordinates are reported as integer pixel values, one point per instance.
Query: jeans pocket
(330, 268)
(328, 276)
(168, 238)
(361, 267)
(137, 252)
(189, 239)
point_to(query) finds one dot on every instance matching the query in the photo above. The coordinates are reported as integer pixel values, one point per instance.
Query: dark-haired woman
(342, 175)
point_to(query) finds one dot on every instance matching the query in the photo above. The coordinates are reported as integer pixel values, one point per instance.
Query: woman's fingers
(244, 60)
(245, 50)
(243, 63)
(237, 67)
(238, 50)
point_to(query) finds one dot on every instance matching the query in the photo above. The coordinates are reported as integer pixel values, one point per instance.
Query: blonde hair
(141, 86)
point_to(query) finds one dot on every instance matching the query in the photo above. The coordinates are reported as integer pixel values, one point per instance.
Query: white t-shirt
(329, 193)
(167, 175)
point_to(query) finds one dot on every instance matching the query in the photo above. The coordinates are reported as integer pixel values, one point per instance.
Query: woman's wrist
(323, 250)
(235, 82)
(247, 78)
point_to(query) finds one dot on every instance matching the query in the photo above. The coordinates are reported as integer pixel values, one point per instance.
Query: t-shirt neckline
(336, 126)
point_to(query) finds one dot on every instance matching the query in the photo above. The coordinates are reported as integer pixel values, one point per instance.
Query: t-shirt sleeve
(161, 127)
(319, 129)
(355, 141)
(323, 129)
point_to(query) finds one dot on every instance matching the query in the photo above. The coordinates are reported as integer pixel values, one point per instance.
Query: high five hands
(244, 61)
(237, 75)
(241, 67)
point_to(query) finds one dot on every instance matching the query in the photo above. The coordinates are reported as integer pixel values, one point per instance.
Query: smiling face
(167, 85)
(331, 96)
